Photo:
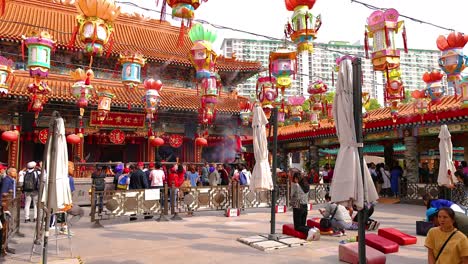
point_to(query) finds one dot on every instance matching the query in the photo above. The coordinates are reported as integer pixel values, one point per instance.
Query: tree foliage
(374, 104)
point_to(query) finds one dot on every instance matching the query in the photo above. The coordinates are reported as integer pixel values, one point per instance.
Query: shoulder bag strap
(334, 212)
(445, 243)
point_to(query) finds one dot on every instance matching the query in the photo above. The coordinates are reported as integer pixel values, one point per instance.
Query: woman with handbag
(338, 216)
(445, 244)
(299, 200)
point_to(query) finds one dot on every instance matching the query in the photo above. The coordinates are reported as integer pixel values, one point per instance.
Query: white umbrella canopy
(261, 174)
(55, 165)
(347, 184)
(446, 157)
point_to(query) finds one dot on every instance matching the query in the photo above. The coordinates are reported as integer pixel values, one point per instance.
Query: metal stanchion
(175, 215)
(162, 216)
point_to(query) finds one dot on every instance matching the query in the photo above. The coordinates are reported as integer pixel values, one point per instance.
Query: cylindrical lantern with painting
(6, 75)
(202, 55)
(304, 25)
(283, 65)
(95, 24)
(266, 93)
(382, 27)
(82, 89)
(434, 87)
(295, 108)
(452, 61)
(40, 45)
(104, 104)
(420, 101)
(151, 99)
(132, 63)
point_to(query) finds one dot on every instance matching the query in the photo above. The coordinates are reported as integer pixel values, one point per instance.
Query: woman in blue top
(193, 176)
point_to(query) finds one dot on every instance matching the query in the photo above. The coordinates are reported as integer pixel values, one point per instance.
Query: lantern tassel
(366, 44)
(111, 45)
(72, 41)
(405, 44)
(180, 41)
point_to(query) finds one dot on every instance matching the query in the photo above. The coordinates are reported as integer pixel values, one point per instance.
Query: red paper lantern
(73, 139)
(157, 142)
(10, 136)
(201, 142)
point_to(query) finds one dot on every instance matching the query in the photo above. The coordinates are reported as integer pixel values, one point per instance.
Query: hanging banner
(116, 119)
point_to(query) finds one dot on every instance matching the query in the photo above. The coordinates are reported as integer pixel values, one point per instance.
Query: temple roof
(156, 40)
(448, 109)
(178, 99)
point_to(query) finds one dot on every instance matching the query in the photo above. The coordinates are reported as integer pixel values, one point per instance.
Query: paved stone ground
(209, 237)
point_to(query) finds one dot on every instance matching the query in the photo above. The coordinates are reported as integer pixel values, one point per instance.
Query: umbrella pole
(357, 105)
(50, 182)
(274, 118)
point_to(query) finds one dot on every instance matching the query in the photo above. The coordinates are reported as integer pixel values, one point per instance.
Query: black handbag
(325, 222)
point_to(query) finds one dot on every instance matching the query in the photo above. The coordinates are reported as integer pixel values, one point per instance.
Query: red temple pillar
(150, 153)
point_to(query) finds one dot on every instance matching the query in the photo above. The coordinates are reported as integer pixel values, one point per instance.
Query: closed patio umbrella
(347, 183)
(446, 157)
(56, 194)
(261, 174)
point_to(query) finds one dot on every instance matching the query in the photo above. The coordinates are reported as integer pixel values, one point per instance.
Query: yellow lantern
(95, 24)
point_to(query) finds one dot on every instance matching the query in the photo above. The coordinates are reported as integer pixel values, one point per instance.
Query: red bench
(397, 236)
(288, 229)
(315, 222)
(381, 244)
(349, 254)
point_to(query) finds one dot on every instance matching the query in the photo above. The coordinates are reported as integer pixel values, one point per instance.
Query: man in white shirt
(29, 180)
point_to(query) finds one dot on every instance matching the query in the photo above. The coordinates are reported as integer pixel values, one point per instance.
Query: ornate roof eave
(172, 98)
(20, 14)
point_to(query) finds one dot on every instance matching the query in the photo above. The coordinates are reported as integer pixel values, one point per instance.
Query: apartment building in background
(321, 63)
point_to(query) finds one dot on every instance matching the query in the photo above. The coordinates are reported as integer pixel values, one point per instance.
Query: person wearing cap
(460, 219)
(31, 195)
(138, 178)
(118, 171)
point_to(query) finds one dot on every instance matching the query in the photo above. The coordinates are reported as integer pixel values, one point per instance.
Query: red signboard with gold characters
(116, 119)
(116, 136)
(43, 135)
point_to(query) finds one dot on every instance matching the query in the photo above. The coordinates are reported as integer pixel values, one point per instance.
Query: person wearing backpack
(30, 182)
(99, 184)
(124, 180)
(244, 176)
